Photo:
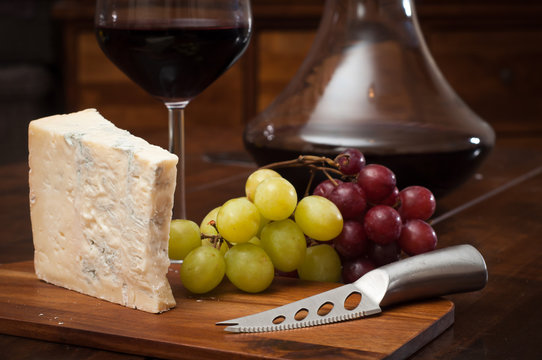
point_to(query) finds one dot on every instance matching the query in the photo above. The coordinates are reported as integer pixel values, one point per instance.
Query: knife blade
(455, 269)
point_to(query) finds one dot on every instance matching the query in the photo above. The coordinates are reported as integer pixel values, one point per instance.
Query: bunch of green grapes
(250, 239)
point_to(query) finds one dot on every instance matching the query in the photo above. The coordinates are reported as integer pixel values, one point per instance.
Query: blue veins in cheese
(100, 204)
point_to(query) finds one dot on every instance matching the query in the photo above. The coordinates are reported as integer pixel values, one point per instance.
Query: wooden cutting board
(32, 308)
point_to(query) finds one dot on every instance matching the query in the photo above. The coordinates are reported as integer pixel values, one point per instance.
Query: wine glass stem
(176, 146)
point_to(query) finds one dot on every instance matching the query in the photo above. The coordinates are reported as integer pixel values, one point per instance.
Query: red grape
(384, 254)
(352, 241)
(351, 161)
(377, 181)
(354, 269)
(417, 237)
(382, 224)
(417, 202)
(326, 187)
(392, 199)
(350, 199)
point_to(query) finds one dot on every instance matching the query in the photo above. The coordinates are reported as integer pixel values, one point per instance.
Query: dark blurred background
(490, 52)
(29, 72)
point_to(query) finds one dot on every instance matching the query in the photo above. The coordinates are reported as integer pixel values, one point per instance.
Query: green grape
(285, 244)
(256, 241)
(263, 222)
(275, 198)
(203, 269)
(205, 228)
(321, 263)
(255, 179)
(238, 220)
(184, 236)
(223, 247)
(318, 218)
(249, 268)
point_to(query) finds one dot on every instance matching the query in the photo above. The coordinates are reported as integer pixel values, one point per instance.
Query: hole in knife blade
(279, 319)
(301, 314)
(352, 301)
(325, 308)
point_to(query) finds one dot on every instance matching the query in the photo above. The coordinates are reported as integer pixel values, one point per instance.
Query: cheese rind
(100, 204)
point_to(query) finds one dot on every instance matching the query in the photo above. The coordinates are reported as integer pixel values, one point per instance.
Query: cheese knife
(445, 271)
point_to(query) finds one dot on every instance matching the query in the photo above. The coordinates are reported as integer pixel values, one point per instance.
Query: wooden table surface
(498, 211)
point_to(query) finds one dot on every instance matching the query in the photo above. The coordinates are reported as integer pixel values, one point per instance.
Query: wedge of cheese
(100, 204)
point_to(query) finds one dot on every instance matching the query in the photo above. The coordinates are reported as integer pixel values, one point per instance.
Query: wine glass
(174, 49)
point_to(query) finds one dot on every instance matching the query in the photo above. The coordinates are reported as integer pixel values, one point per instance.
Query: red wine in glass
(174, 62)
(174, 49)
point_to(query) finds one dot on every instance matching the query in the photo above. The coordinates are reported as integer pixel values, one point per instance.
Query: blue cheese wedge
(100, 204)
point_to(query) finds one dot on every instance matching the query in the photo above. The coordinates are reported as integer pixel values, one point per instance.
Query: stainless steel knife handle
(450, 270)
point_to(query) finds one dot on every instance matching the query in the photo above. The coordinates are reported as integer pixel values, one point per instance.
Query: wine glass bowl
(172, 59)
(174, 49)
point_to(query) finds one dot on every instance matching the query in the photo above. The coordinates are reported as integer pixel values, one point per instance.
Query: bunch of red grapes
(380, 222)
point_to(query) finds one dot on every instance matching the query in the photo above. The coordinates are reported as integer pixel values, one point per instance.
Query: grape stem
(309, 161)
(314, 163)
(215, 240)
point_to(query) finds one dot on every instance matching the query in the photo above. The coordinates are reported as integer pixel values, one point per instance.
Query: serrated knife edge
(299, 324)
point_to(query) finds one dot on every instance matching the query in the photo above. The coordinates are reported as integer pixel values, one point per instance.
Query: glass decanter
(369, 82)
